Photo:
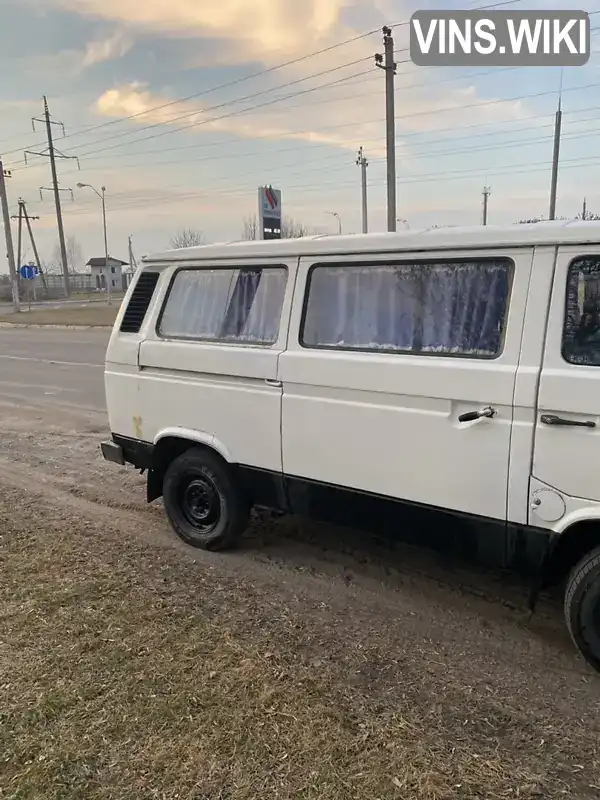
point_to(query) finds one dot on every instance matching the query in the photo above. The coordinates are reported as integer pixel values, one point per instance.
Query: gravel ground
(311, 663)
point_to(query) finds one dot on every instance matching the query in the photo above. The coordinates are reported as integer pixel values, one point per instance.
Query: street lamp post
(102, 198)
(337, 216)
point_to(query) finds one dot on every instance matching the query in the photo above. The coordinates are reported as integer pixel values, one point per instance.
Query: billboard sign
(269, 212)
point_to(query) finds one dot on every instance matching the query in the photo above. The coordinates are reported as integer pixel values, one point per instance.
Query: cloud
(73, 61)
(264, 26)
(107, 49)
(341, 116)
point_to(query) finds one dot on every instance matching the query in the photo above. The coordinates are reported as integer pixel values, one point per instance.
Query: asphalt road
(56, 367)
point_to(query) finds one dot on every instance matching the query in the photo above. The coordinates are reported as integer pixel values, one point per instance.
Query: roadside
(89, 315)
(309, 664)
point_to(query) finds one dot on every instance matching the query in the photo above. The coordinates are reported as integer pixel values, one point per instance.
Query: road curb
(55, 327)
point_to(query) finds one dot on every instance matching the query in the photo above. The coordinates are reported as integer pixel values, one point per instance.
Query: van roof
(516, 235)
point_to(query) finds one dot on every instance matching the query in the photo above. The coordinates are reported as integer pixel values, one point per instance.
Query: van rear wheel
(582, 607)
(203, 500)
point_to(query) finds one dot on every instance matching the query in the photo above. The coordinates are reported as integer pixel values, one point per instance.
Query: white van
(350, 377)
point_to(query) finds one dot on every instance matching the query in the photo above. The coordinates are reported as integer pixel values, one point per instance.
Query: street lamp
(101, 196)
(337, 216)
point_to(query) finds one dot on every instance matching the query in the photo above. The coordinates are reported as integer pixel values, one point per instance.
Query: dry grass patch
(92, 314)
(128, 672)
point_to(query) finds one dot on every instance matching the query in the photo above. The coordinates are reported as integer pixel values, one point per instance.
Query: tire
(203, 500)
(582, 607)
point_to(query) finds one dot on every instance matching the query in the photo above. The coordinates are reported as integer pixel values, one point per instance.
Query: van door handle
(552, 419)
(469, 416)
(271, 382)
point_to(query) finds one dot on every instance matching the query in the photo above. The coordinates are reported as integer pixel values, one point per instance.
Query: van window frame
(195, 339)
(392, 262)
(579, 257)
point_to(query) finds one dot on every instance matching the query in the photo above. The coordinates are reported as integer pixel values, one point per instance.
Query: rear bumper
(111, 451)
(123, 450)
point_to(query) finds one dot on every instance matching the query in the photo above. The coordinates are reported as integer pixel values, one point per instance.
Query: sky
(182, 108)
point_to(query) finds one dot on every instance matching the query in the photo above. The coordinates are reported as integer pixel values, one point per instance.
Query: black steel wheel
(204, 501)
(582, 607)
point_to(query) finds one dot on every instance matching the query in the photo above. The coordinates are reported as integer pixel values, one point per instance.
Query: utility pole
(486, 194)
(52, 153)
(387, 63)
(102, 196)
(363, 164)
(10, 253)
(132, 261)
(555, 158)
(19, 235)
(23, 214)
(584, 210)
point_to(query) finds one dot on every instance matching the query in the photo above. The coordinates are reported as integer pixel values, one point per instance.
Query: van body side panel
(223, 391)
(526, 386)
(121, 372)
(567, 456)
(388, 423)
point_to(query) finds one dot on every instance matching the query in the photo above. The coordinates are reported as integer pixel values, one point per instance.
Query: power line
(133, 202)
(314, 145)
(474, 175)
(245, 78)
(295, 94)
(225, 116)
(412, 115)
(198, 111)
(237, 100)
(226, 85)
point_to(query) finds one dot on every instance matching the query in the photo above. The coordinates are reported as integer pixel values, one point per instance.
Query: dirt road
(309, 664)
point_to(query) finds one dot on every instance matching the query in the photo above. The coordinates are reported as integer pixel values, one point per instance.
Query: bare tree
(187, 237)
(52, 267)
(290, 228)
(250, 229)
(74, 255)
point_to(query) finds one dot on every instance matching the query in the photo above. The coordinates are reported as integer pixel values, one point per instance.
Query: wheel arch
(169, 444)
(568, 548)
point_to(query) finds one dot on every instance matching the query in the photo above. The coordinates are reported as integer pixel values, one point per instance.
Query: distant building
(102, 272)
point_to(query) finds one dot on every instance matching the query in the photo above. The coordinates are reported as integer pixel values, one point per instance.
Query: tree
(290, 228)
(74, 255)
(589, 217)
(52, 267)
(187, 237)
(250, 230)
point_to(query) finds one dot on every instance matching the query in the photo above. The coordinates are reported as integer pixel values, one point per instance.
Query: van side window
(238, 305)
(442, 307)
(581, 332)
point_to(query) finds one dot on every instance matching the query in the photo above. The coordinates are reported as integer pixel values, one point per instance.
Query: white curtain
(446, 308)
(225, 304)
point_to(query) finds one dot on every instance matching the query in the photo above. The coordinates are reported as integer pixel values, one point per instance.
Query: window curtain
(236, 305)
(450, 308)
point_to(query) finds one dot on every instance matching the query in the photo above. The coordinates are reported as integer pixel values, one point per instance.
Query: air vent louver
(139, 302)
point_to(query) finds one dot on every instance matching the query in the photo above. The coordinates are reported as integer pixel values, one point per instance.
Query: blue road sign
(28, 272)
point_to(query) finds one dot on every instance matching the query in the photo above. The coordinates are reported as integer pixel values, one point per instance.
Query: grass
(131, 673)
(92, 314)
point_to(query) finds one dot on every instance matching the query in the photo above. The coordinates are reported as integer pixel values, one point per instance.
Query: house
(103, 271)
